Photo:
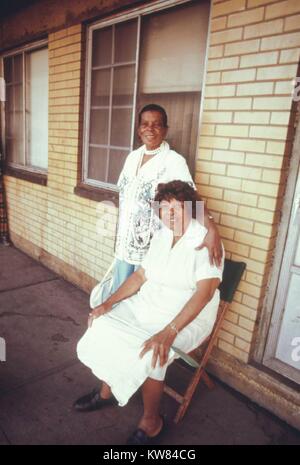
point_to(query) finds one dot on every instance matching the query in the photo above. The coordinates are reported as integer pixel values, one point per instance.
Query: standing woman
(152, 163)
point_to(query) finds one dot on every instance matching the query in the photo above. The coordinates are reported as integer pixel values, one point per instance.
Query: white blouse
(137, 186)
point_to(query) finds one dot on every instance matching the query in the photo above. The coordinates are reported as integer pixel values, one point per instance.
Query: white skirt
(111, 349)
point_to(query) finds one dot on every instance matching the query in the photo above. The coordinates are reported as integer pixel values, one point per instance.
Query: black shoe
(92, 401)
(141, 438)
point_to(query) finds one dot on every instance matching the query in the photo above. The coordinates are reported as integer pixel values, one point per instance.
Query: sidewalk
(41, 319)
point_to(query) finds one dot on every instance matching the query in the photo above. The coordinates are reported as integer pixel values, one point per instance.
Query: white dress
(137, 186)
(111, 348)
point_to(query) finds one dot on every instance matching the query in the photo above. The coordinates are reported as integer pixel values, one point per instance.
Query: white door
(283, 345)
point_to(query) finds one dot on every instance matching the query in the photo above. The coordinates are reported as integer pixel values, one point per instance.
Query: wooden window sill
(98, 194)
(31, 176)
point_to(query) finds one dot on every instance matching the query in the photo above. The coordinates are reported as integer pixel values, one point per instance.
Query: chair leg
(208, 381)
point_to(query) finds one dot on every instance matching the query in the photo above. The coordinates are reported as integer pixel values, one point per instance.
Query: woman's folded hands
(160, 343)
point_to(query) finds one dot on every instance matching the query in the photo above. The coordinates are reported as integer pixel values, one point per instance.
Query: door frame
(261, 353)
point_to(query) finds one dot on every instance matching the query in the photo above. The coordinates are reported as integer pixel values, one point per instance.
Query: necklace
(152, 152)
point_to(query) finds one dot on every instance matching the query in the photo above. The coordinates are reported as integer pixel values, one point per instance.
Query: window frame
(26, 172)
(103, 187)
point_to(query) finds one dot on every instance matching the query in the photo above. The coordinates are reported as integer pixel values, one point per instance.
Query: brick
(207, 129)
(210, 104)
(227, 233)
(234, 351)
(267, 203)
(252, 3)
(226, 336)
(243, 310)
(265, 161)
(260, 188)
(232, 246)
(235, 222)
(257, 88)
(261, 256)
(247, 17)
(229, 35)
(281, 41)
(251, 240)
(238, 76)
(230, 6)
(284, 8)
(214, 142)
(213, 78)
(238, 331)
(211, 167)
(248, 145)
(215, 51)
(223, 63)
(251, 302)
(231, 316)
(290, 55)
(259, 59)
(240, 198)
(272, 103)
(241, 344)
(276, 72)
(217, 24)
(250, 289)
(201, 178)
(247, 117)
(255, 214)
(226, 181)
(228, 156)
(264, 229)
(281, 118)
(275, 147)
(232, 130)
(241, 48)
(212, 192)
(244, 172)
(217, 117)
(220, 206)
(292, 23)
(220, 91)
(268, 132)
(271, 176)
(238, 103)
(285, 87)
(61, 43)
(204, 154)
(265, 28)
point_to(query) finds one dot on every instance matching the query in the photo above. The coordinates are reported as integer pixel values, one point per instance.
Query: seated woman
(171, 300)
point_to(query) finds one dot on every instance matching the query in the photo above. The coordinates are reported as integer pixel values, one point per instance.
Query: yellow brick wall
(241, 164)
(241, 168)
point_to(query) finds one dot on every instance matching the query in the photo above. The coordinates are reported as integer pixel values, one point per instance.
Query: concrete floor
(41, 319)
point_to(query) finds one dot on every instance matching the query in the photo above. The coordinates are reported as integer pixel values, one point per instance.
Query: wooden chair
(231, 277)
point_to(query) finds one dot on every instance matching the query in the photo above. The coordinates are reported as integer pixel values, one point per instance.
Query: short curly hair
(178, 190)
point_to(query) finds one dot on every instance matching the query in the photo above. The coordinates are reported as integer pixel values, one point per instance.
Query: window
(26, 109)
(150, 57)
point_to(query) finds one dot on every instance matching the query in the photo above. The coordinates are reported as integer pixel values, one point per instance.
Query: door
(282, 352)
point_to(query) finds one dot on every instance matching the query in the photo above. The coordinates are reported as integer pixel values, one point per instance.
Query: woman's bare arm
(128, 288)
(161, 342)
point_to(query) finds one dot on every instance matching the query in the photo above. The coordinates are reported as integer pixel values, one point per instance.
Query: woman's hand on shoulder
(160, 343)
(213, 243)
(98, 311)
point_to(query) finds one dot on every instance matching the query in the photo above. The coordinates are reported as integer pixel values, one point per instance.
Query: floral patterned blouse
(137, 186)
